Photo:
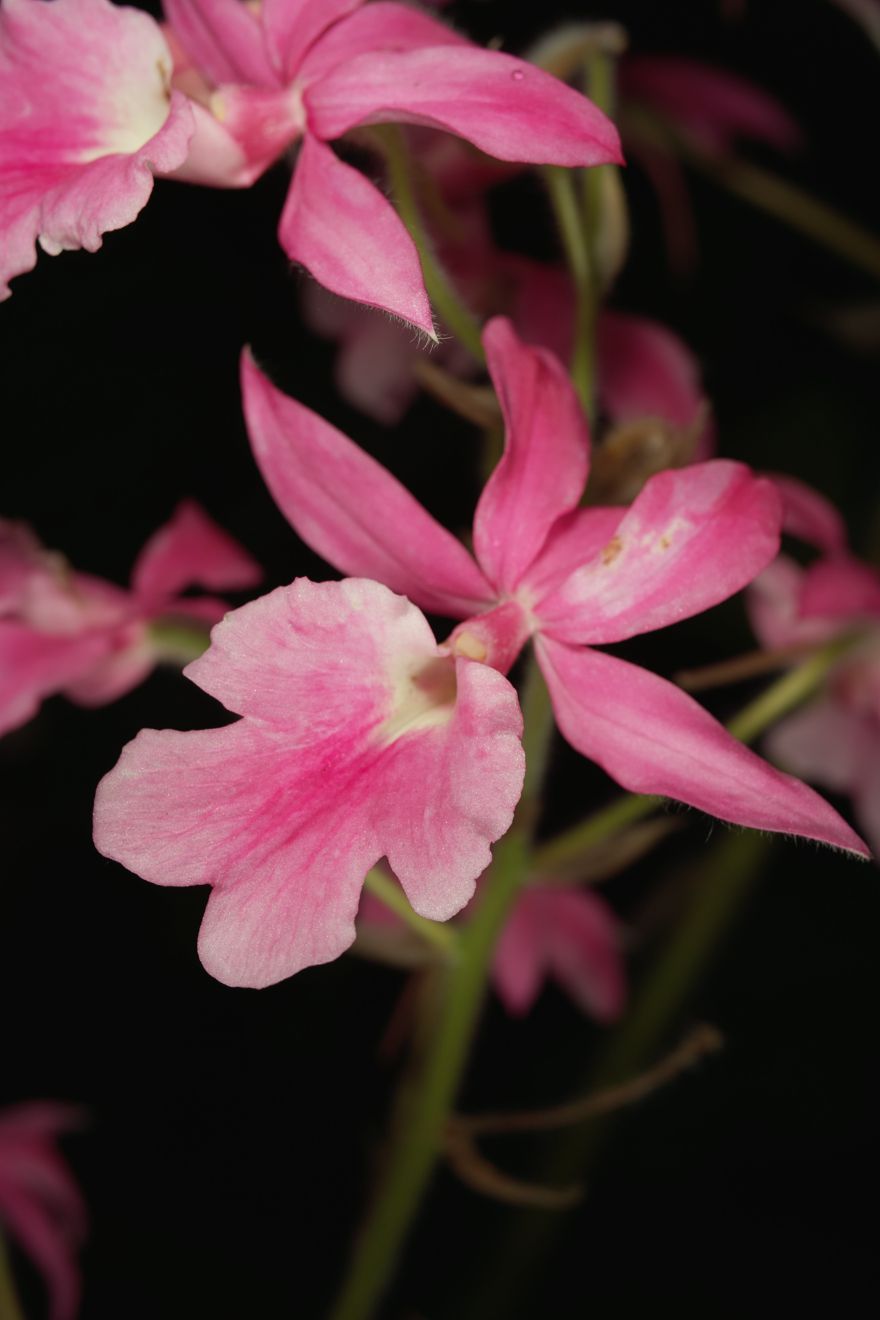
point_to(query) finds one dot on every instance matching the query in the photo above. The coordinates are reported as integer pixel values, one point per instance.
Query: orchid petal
(840, 588)
(224, 38)
(583, 949)
(380, 26)
(691, 539)
(544, 468)
(651, 737)
(33, 665)
(773, 603)
(573, 540)
(360, 757)
(45, 1242)
(192, 550)
(341, 228)
(825, 741)
(507, 108)
(809, 516)
(716, 107)
(349, 509)
(519, 964)
(216, 159)
(86, 123)
(647, 371)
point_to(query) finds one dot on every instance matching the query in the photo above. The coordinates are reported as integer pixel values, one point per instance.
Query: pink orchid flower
(63, 631)
(358, 739)
(835, 739)
(567, 577)
(308, 71)
(567, 934)
(714, 109)
(87, 118)
(41, 1206)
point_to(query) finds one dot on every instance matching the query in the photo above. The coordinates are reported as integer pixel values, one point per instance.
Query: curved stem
(575, 242)
(440, 935)
(443, 295)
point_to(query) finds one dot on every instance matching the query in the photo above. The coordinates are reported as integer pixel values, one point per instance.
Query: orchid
(40, 1204)
(310, 72)
(65, 631)
(87, 118)
(358, 739)
(564, 576)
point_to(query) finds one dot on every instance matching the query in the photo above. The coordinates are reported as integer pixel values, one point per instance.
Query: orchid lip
(424, 698)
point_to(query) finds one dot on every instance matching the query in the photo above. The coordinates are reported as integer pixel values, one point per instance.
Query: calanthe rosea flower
(87, 118)
(568, 577)
(263, 78)
(358, 739)
(64, 631)
(41, 1206)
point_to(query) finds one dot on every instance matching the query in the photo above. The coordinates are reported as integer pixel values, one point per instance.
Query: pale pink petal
(224, 38)
(34, 665)
(583, 949)
(809, 516)
(773, 603)
(691, 539)
(292, 26)
(85, 122)
(519, 963)
(824, 742)
(351, 510)
(366, 751)
(653, 738)
(341, 228)
(840, 588)
(546, 456)
(378, 27)
(647, 371)
(716, 107)
(451, 790)
(216, 159)
(574, 540)
(45, 1242)
(192, 550)
(507, 108)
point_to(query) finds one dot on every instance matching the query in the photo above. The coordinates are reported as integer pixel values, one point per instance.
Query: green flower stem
(775, 701)
(426, 1102)
(575, 242)
(440, 935)
(178, 641)
(10, 1307)
(600, 67)
(452, 311)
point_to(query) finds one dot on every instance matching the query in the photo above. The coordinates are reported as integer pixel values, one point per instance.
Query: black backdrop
(231, 1131)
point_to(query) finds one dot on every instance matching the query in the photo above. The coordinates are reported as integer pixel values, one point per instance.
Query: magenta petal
(350, 509)
(356, 745)
(341, 228)
(292, 26)
(653, 738)
(34, 665)
(583, 949)
(574, 540)
(546, 456)
(715, 106)
(647, 371)
(519, 964)
(224, 38)
(380, 26)
(840, 588)
(45, 1242)
(507, 108)
(192, 550)
(809, 516)
(691, 539)
(85, 123)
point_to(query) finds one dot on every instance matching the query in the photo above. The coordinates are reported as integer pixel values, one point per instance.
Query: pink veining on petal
(86, 121)
(351, 510)
(692, 538)
(359, 739)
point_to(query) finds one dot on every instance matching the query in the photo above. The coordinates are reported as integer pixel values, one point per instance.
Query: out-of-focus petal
(33, 665)
(192, 550)
(544, 467)
(583, 949)
(519, 961)
(691, 539)
(714, 106)
(340, 227)
(86, 121)
(653, 738)
(44, 1241)
(773, 602)
(824, 742)
(840, 588)
(380, 26)
(351, 510)
(224, 38)
(504, 106)
(646, 371)
(809, 516)
(376, 747)
(216, 159)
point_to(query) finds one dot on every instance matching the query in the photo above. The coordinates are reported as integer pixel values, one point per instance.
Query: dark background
(231, 1132)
